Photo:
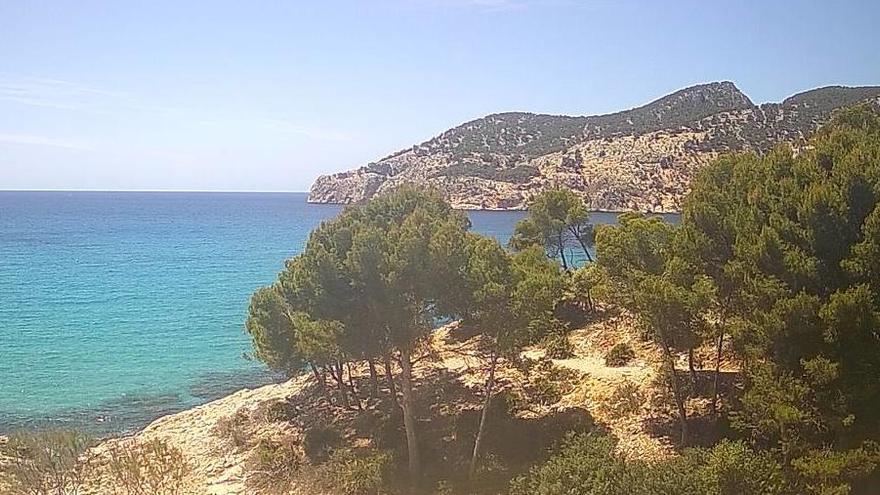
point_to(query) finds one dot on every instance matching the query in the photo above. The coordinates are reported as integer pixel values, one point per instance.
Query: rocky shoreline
(637, 160)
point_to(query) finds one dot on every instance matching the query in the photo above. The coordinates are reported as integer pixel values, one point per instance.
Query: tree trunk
(389, 377)
(409, 417)
(374, 379)
(583, 245)
(713, 406)
(336, 373)
(322, 382)
(487, 401)
(562, 252)
(676, 391)
(354, 394)
(691, 368)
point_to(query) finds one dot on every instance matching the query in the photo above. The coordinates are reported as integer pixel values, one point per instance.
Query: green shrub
(558, 346)
(620, 355)
(279, 411)
(825, 471)
(47, 462)
(584, 466)
(587, 465)
(273, 466)
(627, 399)
(548, 382)
(320, 441)
(362, 473)
(734, 468)
(545, 327)
(518, 174)
(151, 468)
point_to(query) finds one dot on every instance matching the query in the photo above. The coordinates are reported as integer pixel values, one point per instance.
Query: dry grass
(226, 441)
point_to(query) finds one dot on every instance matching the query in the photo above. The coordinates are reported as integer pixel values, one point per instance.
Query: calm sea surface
(117, 308)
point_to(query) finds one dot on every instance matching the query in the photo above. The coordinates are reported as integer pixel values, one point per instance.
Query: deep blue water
(117, 308)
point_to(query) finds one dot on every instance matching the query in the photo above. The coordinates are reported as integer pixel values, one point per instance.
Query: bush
(825, 471)
(548, 382)
(620, 355)
(273, 466)
(320, 441)
(545, 327)
(151, 468)
(279, 411)
(48, 462)
(584, 466)
(558, 346)
(626, 400)
(362, 473)
(587, 465)
(233, 430)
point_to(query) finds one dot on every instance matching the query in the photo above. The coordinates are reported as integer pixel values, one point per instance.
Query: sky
(265, 96)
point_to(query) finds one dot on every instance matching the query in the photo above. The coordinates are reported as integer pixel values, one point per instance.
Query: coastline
(518, 208)
(219, 465)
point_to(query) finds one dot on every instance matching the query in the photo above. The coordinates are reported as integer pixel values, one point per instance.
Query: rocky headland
(641, 159)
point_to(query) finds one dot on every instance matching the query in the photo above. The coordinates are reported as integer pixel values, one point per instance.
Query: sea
(117, 308)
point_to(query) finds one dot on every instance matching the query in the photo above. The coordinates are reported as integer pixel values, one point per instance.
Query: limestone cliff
(640, 159)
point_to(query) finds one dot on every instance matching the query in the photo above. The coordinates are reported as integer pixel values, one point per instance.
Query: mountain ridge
(640, 159)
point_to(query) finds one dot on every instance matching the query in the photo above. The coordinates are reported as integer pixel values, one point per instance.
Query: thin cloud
(52, 93)
(71, 96)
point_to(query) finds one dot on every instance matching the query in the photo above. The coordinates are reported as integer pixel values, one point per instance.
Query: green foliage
(660, 287)
(320, 441)
(358, 473)
(272, 332)
(539, 286)
(627, 399)
(547, 384)
(558, 346)
(279, 411)
(587, 284)
(518, 174)
(523, 136)
(584, 466)
(776, 258)
(52, 462)
(587, 465)
(790, 242)
(285, 337)
(620, 355)
(557, 221)
(828, 472)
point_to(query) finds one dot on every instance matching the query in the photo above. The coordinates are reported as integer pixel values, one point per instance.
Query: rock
(641, 159)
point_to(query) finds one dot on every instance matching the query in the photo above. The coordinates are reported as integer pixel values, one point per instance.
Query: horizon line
(159, 190)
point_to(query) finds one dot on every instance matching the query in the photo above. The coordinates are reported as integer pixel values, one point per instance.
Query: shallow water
(118, 308)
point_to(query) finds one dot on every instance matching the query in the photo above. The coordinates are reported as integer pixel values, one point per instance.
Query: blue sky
(267, 95)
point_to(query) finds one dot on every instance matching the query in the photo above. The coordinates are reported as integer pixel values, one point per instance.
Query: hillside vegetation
(737, 352)
(642, 159)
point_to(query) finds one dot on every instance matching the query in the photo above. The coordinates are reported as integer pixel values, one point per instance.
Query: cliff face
(641, 159)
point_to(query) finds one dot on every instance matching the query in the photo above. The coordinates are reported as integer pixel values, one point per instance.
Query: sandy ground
(216, 469)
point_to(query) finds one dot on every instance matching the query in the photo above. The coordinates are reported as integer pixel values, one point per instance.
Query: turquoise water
(117, 308)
